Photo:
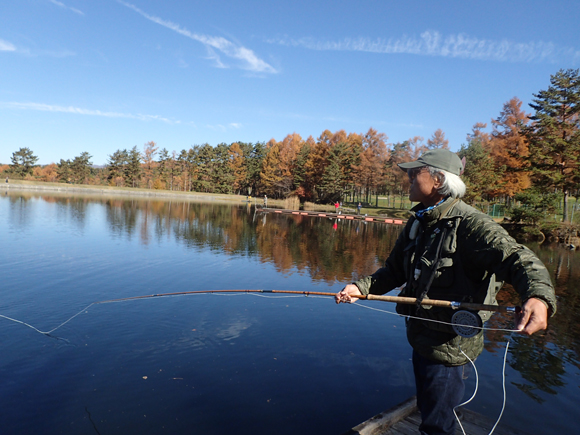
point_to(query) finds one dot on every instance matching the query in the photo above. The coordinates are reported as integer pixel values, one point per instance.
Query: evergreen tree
(554, 135)
(80, 168)
(116, 167)
(301, 184)
(222, 174)
(63, 170)
(133, 168)
(203, 162)
(255, 162)
(164, 165)
(480, 175)
(23, 162)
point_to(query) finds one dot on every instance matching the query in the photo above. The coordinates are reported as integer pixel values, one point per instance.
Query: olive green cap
(438, 158)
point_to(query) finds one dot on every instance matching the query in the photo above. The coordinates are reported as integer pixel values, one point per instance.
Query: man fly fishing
(451, 251)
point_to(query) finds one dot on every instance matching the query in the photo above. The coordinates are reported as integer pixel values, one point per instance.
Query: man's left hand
(533, 317)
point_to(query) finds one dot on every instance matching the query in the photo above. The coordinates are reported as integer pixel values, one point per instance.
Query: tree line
(532, 157)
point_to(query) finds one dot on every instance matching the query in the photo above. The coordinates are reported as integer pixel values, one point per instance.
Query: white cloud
(432, 43)
(79, 111)
(220, 127)
(6, 46)
(248, 58)
(62, 5)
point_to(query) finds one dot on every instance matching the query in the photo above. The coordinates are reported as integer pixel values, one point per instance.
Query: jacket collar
(435, 214)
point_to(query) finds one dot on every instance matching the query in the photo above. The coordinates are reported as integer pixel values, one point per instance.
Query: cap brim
(410, 165)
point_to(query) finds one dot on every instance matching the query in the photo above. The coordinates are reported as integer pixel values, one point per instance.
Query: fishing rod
(465, 321)
(396, 299)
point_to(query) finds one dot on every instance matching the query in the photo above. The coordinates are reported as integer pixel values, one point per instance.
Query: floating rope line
(297, 293)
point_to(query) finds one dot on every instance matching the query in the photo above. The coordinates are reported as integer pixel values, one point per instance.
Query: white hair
(451, 184)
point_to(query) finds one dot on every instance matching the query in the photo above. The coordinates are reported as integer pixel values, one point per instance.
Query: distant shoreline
(125, 191)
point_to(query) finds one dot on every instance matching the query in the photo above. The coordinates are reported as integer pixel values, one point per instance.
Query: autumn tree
(438, 140)
(370, 173)
(23, 161)
(237, 167)
(302, 184)
(272, 180)
(554, 135)
(149, 163)
(509, 149)
(46, 173)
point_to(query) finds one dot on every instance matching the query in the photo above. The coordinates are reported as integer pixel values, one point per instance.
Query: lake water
(236, 363)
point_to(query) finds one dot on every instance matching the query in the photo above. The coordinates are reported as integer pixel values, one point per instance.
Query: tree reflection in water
(338, 251)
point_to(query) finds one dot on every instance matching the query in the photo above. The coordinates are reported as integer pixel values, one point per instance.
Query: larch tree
(237, 166)
(509, 149)
(302, 185)
(554, 135)
(371, 170)
(438, 140)
(271, 174)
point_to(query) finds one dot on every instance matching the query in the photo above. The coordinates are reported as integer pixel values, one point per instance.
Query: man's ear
(438, 180)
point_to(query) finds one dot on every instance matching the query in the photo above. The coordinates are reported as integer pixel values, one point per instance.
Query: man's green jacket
(454, 252)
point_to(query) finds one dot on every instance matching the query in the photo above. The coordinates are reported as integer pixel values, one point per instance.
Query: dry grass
(292, 203)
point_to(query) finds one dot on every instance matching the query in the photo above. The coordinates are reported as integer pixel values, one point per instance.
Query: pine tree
(133, 167)
(554, 135)
(80, 168)
(23, 161)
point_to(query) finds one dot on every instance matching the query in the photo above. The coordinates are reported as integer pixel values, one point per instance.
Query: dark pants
(439, 390)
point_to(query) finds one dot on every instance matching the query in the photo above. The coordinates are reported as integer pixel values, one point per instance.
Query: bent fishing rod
(465, 321)
(396, 299)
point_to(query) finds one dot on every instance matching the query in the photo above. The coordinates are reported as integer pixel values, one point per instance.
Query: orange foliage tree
(370, 173)
(508, 149)
(237, 166)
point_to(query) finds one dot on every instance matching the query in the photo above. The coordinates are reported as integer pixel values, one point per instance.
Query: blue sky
(98, 76)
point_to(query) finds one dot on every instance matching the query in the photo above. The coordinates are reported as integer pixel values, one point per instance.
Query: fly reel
(466, 323)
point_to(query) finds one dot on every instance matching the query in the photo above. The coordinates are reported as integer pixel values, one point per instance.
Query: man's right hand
(345, 295)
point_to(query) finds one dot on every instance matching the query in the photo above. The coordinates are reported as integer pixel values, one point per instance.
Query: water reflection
(329, 251)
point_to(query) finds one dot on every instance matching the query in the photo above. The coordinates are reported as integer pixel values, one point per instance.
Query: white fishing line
(236, 294)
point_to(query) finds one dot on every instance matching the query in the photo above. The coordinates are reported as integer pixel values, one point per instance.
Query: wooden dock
(404, 419)
(328, 215)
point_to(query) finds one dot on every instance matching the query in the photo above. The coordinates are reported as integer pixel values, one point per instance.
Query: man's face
(423, 187)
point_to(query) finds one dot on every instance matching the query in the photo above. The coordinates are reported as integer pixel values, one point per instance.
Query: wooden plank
(381, 422)
(405, 419)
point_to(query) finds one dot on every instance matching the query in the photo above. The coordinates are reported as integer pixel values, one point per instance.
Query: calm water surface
(216, 364)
